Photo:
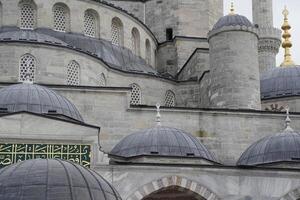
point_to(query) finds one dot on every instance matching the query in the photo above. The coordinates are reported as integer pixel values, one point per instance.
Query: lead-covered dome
(232, 20)
(45, 179)
(279, 148)
(280, 82)
(162, 141)
(36, 99)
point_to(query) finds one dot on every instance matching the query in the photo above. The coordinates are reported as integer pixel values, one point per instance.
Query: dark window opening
(169, 33)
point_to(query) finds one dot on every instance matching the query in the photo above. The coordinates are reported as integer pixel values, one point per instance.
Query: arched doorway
(173, 193)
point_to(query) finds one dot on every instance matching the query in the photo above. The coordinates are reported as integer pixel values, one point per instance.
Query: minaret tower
(269, 37)
(286, 44)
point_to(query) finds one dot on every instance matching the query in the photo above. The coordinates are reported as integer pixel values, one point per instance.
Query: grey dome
(280, 82)
(44, 179)
(232, 20)
(161, 141)
(36, 99)
(282, 147)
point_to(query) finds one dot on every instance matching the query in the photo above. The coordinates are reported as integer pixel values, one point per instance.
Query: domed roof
(280, 82)
(36, 99)
(282, 147)
(44, 179)
(161, 141)
(232, 20)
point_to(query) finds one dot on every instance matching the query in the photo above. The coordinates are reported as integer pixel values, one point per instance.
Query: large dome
(43, 179)
(280, 82)
(36, 99)
(232, 20)
(282, 147)
(162, 141)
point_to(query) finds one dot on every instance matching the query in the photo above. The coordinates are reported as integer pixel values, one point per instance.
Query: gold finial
(286, 44)
(232, 9)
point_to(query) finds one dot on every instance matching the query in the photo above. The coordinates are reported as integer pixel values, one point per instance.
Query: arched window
(117, 32)
(148, 52)
(61, 17)
(135, 95)
(170, 99)
(27, 14)
(73, 73)
(135, 41)
(91, 19)
(102, 80)
(27, 67)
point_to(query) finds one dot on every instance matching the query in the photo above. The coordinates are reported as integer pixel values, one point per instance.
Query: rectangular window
(169, 34)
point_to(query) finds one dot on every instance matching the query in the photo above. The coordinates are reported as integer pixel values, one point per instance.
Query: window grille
(116, 32)
(135, 95)
(89, 24)
(73, 73)
(60, 18)
(170, 99)
(102, 80)
(27, 16)
(27, 68)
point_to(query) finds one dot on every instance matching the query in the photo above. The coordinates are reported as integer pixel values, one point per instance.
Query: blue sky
(244, 7)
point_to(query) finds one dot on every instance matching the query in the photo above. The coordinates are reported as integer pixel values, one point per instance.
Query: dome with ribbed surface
(36, 99)
(53, 179)
(162, 141)
(282, 147)
(280, 82)
(232, 20)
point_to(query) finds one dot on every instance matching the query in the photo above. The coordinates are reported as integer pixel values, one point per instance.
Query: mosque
(146, 100)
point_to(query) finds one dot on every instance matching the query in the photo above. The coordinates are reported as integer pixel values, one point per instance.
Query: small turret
(234, 68)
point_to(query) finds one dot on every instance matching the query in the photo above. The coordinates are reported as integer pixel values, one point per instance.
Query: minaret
(286, 44)
(269, 37)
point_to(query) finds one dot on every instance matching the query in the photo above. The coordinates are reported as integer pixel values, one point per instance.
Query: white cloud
(244, 7)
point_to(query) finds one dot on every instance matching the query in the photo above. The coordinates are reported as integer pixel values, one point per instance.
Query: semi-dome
(282, 147)
(232, 20)
(280, 82)
(36, 99)
(44, 179)
(162, 141)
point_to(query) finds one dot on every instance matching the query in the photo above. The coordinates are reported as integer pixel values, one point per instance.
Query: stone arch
(117, 31)
(91, 23)
(135, 41)
(61, 17)
(169, 181)
(27, 14)
(292, 195)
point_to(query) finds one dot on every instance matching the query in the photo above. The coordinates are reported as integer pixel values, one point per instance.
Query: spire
(288, 120)
(286, 44)
(231, 9)
(158, 121)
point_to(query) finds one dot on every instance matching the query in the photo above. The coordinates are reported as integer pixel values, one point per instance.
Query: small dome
(162, 141)
(36, 99)
(44, 179)
(232, 20)
(282, 147)
(280, 82)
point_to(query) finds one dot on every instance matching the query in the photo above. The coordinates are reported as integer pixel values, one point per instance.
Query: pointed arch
(169, 181)
(91, 23)
(61, 17)
(135, 41)
(27, 14)
(73, 73)
(102, 80)
(148, 52)
(117, 32)
(136, 94)
(27, 68)
(170, 98)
